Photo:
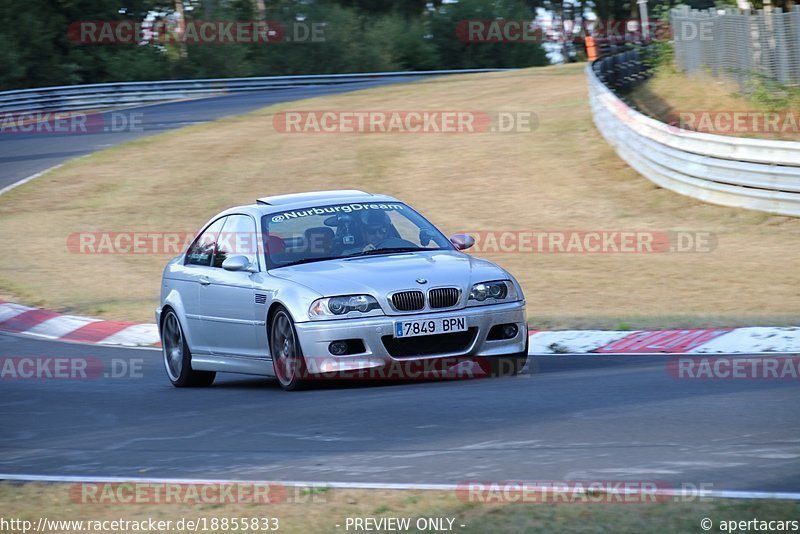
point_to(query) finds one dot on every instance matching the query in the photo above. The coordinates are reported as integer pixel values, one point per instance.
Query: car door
(227, 300)
(193, 273)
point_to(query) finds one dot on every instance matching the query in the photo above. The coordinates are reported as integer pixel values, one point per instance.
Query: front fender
(293, 296)
(517, 286)
(297, 302)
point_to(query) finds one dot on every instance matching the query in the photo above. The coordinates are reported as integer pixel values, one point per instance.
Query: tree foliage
(357, 36)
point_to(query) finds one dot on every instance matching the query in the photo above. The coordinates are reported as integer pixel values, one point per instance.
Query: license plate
(427, 327)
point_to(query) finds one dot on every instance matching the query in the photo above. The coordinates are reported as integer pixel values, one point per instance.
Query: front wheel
(178, 358)
(287, 357)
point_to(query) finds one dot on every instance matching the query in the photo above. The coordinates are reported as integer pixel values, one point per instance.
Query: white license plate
(427, 327)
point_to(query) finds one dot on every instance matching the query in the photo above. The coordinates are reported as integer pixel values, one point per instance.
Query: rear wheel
(287, 357)
(178, 358)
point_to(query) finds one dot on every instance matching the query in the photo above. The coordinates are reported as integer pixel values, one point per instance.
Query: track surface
(574, 418)
(22, 154)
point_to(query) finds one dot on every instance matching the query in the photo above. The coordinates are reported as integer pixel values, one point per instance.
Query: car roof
(317, 198)
(312, 196)
(280, 203)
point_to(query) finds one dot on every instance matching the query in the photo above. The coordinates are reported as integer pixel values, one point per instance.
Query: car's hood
(379, 275)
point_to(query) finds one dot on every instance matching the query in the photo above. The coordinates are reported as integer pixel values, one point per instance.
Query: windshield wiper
(388, 250)
(309, 260)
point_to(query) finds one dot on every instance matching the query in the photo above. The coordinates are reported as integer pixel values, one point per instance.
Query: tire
(178, 357)
(287, 355)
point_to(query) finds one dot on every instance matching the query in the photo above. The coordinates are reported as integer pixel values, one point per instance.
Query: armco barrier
(756, 174)
(114, 95)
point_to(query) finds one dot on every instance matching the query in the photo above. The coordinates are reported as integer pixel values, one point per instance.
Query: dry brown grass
(30, 502)
(562, 176)
(669, 93)
(301, 512)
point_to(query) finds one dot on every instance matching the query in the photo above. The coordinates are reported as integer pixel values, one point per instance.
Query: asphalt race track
(590, 417)
(573, 418)
(25, 154)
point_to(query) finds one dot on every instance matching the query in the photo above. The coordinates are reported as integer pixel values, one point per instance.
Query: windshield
(322, 233)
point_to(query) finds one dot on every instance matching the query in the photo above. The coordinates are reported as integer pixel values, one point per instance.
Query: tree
(458, 53)
(37, 49)
(406, 8)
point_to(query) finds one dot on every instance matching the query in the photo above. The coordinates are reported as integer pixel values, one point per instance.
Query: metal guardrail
(756, 174)
(623, 68)
(112, 95)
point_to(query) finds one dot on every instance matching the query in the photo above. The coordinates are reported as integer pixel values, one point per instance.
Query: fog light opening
(503, 331)
(346, 347)
(338, 348)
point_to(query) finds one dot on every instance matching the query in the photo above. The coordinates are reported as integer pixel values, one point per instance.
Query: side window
(238, 238)
(202, 250)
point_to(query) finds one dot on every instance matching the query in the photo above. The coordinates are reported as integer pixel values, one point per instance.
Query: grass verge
(560, 177)
(324, 510)
(699, 98)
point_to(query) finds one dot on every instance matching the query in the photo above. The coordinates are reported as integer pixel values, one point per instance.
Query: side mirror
(237, 263)
(462, 241)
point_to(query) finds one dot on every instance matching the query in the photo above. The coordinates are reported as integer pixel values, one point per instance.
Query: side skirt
(232, 364)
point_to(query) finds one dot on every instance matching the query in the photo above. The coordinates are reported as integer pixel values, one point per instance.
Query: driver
(375, 229)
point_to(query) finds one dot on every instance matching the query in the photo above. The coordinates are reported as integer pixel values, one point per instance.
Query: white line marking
(721, 494)
(8, 188)
(27, 179)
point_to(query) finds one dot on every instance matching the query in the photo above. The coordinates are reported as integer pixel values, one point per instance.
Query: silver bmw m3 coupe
(334, 283)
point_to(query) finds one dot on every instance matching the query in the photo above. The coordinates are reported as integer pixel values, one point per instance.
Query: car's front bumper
(316, 336)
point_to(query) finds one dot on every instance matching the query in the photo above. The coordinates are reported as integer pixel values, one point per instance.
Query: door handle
(204, 281)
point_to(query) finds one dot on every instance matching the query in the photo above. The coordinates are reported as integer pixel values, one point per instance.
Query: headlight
(340, 306)
(492, 292)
